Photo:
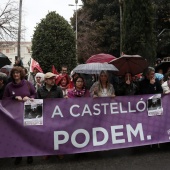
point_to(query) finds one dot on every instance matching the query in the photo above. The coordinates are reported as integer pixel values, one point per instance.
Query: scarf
(78, 93)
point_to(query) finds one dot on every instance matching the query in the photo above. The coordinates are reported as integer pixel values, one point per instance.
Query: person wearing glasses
(63, 70)
(49, 89)
(79, 89)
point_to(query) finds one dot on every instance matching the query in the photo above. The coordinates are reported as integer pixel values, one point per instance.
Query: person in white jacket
(166, 85)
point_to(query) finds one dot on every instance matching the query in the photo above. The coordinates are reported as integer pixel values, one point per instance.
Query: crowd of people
(17, 85)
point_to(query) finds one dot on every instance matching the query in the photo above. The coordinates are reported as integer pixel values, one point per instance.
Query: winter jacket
(55, 92)
(23, 89)
(147, 88)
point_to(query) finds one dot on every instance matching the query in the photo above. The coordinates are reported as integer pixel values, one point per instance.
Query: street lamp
(76, 5)
(19, 30)
(121, 25)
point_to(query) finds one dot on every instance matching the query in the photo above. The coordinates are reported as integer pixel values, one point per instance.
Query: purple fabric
(71, 93)
(118, 116)
(24, 88)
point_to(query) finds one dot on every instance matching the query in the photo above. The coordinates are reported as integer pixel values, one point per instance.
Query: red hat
(60, 77)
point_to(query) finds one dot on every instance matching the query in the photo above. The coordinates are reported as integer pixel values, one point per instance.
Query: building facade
(10, 50)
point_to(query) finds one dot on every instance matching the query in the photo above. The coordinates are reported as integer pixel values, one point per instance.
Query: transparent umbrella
(94, 68)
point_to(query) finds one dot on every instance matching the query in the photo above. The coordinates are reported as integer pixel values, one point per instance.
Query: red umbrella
(100, 58)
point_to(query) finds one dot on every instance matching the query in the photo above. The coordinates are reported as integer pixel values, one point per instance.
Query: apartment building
(10, 50)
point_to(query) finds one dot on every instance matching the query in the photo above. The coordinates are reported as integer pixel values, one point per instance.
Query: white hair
(40, 75)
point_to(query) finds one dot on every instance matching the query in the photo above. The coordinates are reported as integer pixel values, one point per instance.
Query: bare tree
(87, 37)
(9, 17)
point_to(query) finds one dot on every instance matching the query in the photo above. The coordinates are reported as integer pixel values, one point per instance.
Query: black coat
(55, 92)
(146, 88)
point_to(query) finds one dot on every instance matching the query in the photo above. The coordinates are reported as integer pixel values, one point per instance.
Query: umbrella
(8, 67)
(4, 60)
(159, 76)
(133, 64)
(94, 68)
(164, 66)
(100, 58)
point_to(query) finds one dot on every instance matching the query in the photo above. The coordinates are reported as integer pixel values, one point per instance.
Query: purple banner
(84, 125)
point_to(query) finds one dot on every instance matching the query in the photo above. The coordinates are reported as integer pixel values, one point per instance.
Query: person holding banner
(128, 87)
(102, 88)
(166, 85)
(49, 89)
(21, 90)
(149, 84)
(79, 89)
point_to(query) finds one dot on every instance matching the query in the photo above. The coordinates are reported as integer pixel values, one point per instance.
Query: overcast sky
(35, 10)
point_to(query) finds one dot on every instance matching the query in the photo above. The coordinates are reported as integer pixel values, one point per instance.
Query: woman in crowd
(128, 87)
(79, 89)
(63, 82)
(39, 80)
(102, 88)
(21, 90)
(73, 77)
(166, 85)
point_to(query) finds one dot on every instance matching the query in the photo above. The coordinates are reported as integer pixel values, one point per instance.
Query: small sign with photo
(33, 112)
(154, 107)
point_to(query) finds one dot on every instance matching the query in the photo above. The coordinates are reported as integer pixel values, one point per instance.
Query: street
(138, 158)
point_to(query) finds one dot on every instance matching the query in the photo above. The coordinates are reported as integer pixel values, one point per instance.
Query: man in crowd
(49, 89)
(63, 70)
(149, 84)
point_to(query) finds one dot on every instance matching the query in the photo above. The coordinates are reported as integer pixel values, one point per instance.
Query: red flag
(35, 64)
(54, 71)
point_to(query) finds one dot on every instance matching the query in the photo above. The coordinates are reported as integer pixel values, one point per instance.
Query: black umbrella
(4, 60)
(164, 66)
(133, 64)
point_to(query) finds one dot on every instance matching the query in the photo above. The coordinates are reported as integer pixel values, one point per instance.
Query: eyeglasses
(79, 81)
(16, 72)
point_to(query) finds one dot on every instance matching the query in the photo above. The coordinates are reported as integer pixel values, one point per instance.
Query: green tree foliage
(162, 14)
(162, 26)
(53, 43)
(138, 30)
(98, 28)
